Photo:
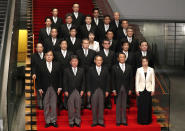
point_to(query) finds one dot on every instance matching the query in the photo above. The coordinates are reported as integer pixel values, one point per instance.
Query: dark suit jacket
(120, 34)
(109, 60)
(79, 20)
(114, 45)
(133, 46)
(86, 62)
(99, 23)
(73, 48)
(35, 60)
(57, 25)
(64, 31)
(95, 81)
(102, 32)
(138, 56)
(49, 44)
(115, 28)
(119, 78)
(47, 79)
(71, 82)
(42, 35)
(84, 33)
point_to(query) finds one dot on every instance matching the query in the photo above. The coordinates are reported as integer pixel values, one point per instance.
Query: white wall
(150, 9)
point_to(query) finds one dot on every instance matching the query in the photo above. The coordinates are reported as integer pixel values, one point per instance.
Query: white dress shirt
(49, 66)
(48, 30)
(122, 66)
(117, 23)
(55, 19)
(54, 40)
(106, 52)
(144, 53)
(88, 27)
(69, 26)
(106, 27)
(95, 46)
(98, 69)
(64, 52)
(41, 55)
(73, 39)
(85, 51)
(129, 39)
(126, 53)
(96, 20)
(125, 32)
(74, 70)
(76, 14)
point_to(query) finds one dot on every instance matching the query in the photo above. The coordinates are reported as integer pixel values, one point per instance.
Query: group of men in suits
(64, 63)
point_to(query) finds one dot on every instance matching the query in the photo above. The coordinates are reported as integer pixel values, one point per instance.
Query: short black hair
(95, 9)
(98, 56)
(85, 39)
(88, 16)
(105, 40)
(74, 57)
(54, 8)
(109, 31)
(63, 41)
(48, 18)
(47, 51)
(130, 28)
(67, 15)
(124, 41)
(124, 20)
(91, 32)
(143, 42)
(106, 16)
(121, 53)
(144, 57)
(39, 44)
(54, 28)
(73, 28)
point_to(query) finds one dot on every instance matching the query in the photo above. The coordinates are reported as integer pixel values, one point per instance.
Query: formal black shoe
(118, 124)
(77, 125)
(125, 124)
(71, 125)
(88, 106)
(109, 106)
(93, 125)
(102, 125)
(47, 125)
(55, 124)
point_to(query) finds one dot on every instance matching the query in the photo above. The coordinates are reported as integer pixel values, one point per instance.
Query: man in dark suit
(74, 43)
(45, 32)
(78, 18)
(116, 23)
(63, 57)
(87, 28)
(74, 87)
(56, 21)
(86, 57)
(98, 88)
(113, 43)
(108, 61)
(132, 40)
(122, 31)
(122, 82)
(49, 84)
(65, 28)
(103, 28)
(96, 20)
(36, 59)
(52, 42)
(144, 51)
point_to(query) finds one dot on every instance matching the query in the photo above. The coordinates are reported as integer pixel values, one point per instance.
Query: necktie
(86, 53)
(54, 41)
(106, 52)
(74, 71)
(64, 54)
(68, 26)
(48, 31)
(49, 67)
(41, 56)
(96, 21)
(73, 40)
(123, 68)
(88, 27)
(98, 70)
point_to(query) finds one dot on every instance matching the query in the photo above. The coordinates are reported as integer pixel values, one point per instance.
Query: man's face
(39, 48)
(130, 32)
(63, 45)
(110, 35)
(107, 20)
(74, 63)
(98, 61)
(121, 58)
(124, 24)
(55, 12)
(96, 13)
(116, 16)
(125, 46)
(73, 32)
(106, 44)
(49, 56)
(76, 7)
(54, 33)
(88, 20)
(144, 46)
(48, 22)
(85, 44)
(69, 20)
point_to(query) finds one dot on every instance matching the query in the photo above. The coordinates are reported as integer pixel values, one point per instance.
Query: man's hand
(106, 94)
(152, 94)
(129, 92)
(34, 76)
(137, 93)
(59, 90)
(41, 91)
(89, 93)
(114, 92)
(81, 93)
(66, 93)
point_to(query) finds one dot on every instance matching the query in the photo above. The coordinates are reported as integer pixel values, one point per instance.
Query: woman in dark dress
(145, 87)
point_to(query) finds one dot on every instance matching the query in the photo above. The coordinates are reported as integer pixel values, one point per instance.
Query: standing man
(74, 86)
(49, 84)
(122, 82)
(116, 23)
(98, 87)
(37, 59)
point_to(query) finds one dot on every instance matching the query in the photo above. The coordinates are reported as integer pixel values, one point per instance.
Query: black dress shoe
(125, 124)
(77, 125)
(47, 125)
(55, 124)
(93, 125)
(118, 124)
(88, 106)
(102, 125)
(71, 125)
